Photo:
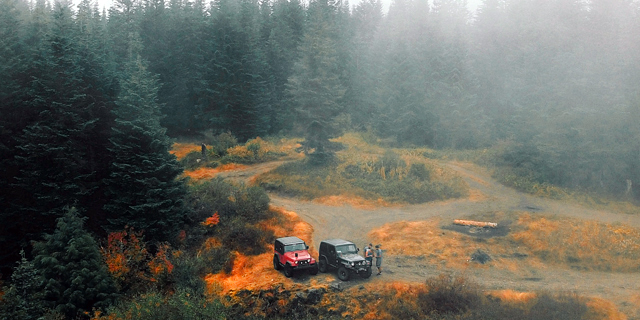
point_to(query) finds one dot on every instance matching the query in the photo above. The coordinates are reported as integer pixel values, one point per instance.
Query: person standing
(368, 254)
(378, 253)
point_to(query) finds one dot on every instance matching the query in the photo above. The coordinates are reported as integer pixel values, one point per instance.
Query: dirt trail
(354, 224)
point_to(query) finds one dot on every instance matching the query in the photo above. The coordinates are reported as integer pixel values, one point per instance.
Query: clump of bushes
(155, 305)
(220, 143)
(253, 151)
(388, 177)
(238, 207)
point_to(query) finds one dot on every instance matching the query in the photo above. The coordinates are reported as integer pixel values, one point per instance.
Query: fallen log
(475, 223)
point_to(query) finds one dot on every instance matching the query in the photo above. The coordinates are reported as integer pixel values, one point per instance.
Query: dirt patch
(503, 229)
(353, 201)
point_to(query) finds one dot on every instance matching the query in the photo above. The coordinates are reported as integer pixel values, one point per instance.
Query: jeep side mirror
(306, 247)
(296, 254)
(357, 250)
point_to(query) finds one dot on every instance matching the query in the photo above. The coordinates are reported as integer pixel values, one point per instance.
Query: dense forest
(90, 98)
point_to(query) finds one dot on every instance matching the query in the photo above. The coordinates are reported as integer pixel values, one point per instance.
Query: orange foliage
(211, 221)
(180, 150)
(209, 173)
(603, 309)
(248, 272)
(123, 253)
(512, 296)
(160, 264)
(130, 262)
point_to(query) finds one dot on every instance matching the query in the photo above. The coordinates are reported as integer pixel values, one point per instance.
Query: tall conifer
(74, 276)
(143, 190)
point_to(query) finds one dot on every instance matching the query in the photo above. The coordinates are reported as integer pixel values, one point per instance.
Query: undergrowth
(224, 148)
(443, 297)
(369, 172)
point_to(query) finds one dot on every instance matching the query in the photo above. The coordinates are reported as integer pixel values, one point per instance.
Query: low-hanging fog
(552, 84)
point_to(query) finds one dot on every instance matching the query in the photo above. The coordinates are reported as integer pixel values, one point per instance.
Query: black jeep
(342, 255)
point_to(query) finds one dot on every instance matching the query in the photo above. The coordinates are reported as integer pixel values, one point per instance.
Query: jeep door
(332, 258)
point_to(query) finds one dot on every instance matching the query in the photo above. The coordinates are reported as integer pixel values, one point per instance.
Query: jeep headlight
(351, 263)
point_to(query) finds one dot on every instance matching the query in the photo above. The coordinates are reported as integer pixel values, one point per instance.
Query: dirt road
(354, 223)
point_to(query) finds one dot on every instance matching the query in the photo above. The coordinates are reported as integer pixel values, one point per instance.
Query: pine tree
(315, 87)
(65, 112)
(285, 33)
(143, 190)
(23, 299)
(12, 55)
(74, 277)
(236, 93)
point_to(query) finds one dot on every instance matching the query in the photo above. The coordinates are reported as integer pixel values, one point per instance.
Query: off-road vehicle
(291, 254)
(342, 255)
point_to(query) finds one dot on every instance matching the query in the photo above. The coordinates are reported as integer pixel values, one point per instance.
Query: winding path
(354, 223)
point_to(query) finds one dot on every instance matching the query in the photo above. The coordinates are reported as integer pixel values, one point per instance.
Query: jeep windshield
(346, 249)
(294, 247)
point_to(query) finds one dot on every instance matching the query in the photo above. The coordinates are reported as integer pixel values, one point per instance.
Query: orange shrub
(211, 221)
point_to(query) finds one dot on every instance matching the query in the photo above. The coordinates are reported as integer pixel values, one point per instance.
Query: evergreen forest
(91, 100)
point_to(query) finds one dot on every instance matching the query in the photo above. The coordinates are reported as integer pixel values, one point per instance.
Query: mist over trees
(86, 94)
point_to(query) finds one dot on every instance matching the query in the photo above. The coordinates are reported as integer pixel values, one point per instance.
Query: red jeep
(291, 254)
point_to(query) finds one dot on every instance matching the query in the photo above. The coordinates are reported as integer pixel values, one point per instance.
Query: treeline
(80, 127)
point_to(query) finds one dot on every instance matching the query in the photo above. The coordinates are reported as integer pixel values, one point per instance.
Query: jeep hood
(302, 255)
(351, 257)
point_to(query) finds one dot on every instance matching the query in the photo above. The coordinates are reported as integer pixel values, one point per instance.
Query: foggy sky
(472, 4)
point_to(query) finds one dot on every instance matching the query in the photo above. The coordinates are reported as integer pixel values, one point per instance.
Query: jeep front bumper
(301, 265)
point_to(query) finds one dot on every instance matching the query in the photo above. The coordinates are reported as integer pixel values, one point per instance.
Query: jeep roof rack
(290, 240)
(337, 242)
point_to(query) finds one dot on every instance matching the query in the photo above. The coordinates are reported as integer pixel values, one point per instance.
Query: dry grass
(260, 150)
(564, 242)
(453, 248)
(354, 201)
(180, 150)
(514, 297)
(209, 173)
(588, 245)
(363, 172)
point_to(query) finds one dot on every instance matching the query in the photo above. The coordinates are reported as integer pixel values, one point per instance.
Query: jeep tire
(366, 274)
(343, 274)
(288, 271)
(313, 270)
(322, 265)
(276, 263)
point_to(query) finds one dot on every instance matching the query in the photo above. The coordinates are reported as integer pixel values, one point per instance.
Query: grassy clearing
(528, 180)
(368, 172)
(217, 159)
(533, 242)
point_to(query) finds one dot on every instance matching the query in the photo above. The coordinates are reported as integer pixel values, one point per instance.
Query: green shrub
(419, 171)
(252, 203)
(179, 306)
(245, 238)
(221, 142)
(449, 294)
(365, 180)
(190, 269)
(193, 160)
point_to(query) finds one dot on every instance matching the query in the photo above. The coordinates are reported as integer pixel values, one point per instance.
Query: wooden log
(475, 223)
